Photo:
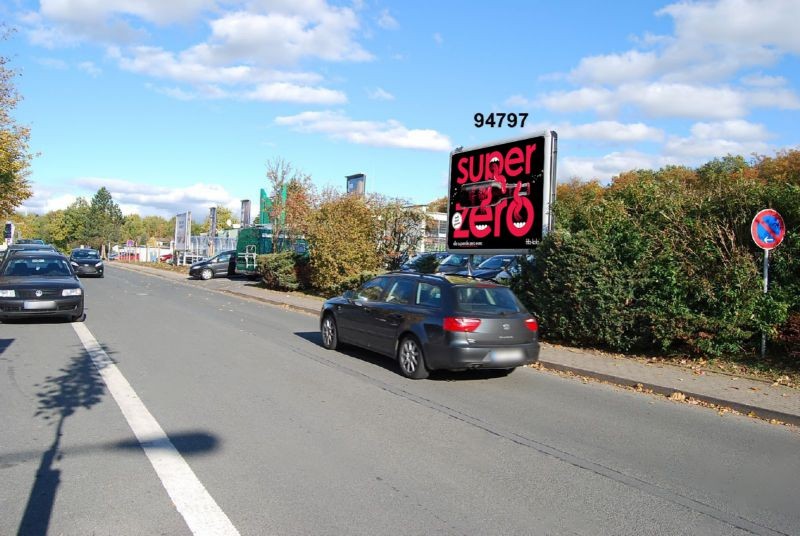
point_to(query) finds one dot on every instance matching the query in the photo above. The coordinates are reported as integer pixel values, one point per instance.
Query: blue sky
(177, 105)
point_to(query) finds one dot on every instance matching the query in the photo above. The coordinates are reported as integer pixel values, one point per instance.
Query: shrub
(353, 282)
(279, 271)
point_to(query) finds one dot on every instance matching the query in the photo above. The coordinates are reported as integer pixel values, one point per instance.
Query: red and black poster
(500, 195)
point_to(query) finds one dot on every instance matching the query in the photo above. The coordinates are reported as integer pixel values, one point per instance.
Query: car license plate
(38, 305)
(506, 355)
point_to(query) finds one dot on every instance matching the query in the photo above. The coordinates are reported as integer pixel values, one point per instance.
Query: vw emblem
(506, 326)
(38, 293)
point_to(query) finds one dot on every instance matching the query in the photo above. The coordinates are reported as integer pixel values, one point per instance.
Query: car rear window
(486, 299)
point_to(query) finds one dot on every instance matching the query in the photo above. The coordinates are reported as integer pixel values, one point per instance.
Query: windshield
(486, 299)
(85, 254)
(454, 260)
(37, 267)
(495, 263)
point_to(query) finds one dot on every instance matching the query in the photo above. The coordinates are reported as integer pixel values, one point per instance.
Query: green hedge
(663, 261)
(283, 271)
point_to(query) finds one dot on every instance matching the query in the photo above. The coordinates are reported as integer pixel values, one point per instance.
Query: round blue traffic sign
(767, 229)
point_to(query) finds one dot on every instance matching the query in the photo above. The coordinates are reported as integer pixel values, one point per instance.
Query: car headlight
(7, 293)
(72, 292)
(73, 263)
(99, 264)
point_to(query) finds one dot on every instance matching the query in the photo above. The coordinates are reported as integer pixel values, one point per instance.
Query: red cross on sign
(767, 229)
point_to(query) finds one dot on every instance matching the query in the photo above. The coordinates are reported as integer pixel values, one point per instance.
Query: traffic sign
(129, 243)
(767, 229)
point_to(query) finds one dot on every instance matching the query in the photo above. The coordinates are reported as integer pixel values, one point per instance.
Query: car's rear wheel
(206, 274)
(330, 334)
(412, 359)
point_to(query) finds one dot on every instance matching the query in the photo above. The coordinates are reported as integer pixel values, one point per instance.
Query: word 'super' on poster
(500, 195)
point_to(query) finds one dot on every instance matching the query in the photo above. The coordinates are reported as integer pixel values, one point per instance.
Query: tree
(14, 152)
(341, 241)
(399, 228)
(439, 205)
(292, 196)
(105, 219)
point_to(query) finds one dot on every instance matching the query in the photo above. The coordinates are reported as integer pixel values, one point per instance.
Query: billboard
(500, 195)
(356, 184)
(212, 227)
(183, 231)
(245, 215)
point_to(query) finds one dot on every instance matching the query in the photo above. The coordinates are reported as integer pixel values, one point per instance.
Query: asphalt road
(279, 436)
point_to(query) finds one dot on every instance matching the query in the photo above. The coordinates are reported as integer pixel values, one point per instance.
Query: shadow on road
(5, 343)
(390, 364)
(78, 385)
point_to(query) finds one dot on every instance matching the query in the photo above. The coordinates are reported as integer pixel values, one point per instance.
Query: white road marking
(201, 513)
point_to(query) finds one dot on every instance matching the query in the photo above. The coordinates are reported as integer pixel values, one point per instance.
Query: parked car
(25, 247)
(86, 261)
(414, 263)
(113, 256)
(499, 268)
(39, 283)
(30, 241)
(429, 322)
(458, 262)
(223, 263)
(166, 258)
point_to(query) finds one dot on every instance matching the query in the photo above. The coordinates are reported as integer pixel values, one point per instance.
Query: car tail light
(532, 324)
(461, 324)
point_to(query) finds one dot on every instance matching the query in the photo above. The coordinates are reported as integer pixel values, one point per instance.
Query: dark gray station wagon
(431, 322)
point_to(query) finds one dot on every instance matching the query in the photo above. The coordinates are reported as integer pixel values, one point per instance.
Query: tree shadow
(78, 385)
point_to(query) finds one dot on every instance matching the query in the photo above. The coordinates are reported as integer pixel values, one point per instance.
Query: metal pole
(766, 286)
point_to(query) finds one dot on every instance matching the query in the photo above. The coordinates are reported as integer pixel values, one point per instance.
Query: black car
(418, 261)
(430, 322)
(223, 263)
(86, 261)
(39, 283)
(14, 248)
(499, 268)
(456, 263)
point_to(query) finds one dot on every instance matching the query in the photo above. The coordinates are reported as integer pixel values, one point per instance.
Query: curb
(746, 409)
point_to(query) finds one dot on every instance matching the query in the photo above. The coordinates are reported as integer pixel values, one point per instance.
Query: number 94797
(500, 119)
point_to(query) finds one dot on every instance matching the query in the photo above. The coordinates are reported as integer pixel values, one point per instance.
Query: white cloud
(286, 92)
(45, 200)
(598, 99)
(147, 199)
(604, 168)
(762, 80)
(386, 21)
(389, 133)
(615, 68)
(380, 94)
(712, 140)
(757, 23)
(53, 63)
(90, 68)
(518, 101)
(610, 131)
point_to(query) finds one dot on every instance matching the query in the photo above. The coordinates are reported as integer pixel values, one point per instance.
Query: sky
(177, 105)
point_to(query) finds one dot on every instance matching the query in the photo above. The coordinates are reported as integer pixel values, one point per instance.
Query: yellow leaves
(677, 396)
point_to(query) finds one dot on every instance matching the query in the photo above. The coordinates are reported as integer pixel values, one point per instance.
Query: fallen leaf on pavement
(677, 396)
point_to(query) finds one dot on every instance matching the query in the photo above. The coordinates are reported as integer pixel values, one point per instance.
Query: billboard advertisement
(356, 184)
(183, 231)
(500, 195)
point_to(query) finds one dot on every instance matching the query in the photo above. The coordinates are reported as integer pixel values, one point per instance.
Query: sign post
(767, 230)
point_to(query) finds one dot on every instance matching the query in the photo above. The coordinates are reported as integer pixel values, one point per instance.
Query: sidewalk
(751, 397)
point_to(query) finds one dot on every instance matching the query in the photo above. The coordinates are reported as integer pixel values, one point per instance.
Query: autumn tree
(399, 227)
(14, 152)
(223, 215)
(439, 204)
(292, 198)
(341, 241)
